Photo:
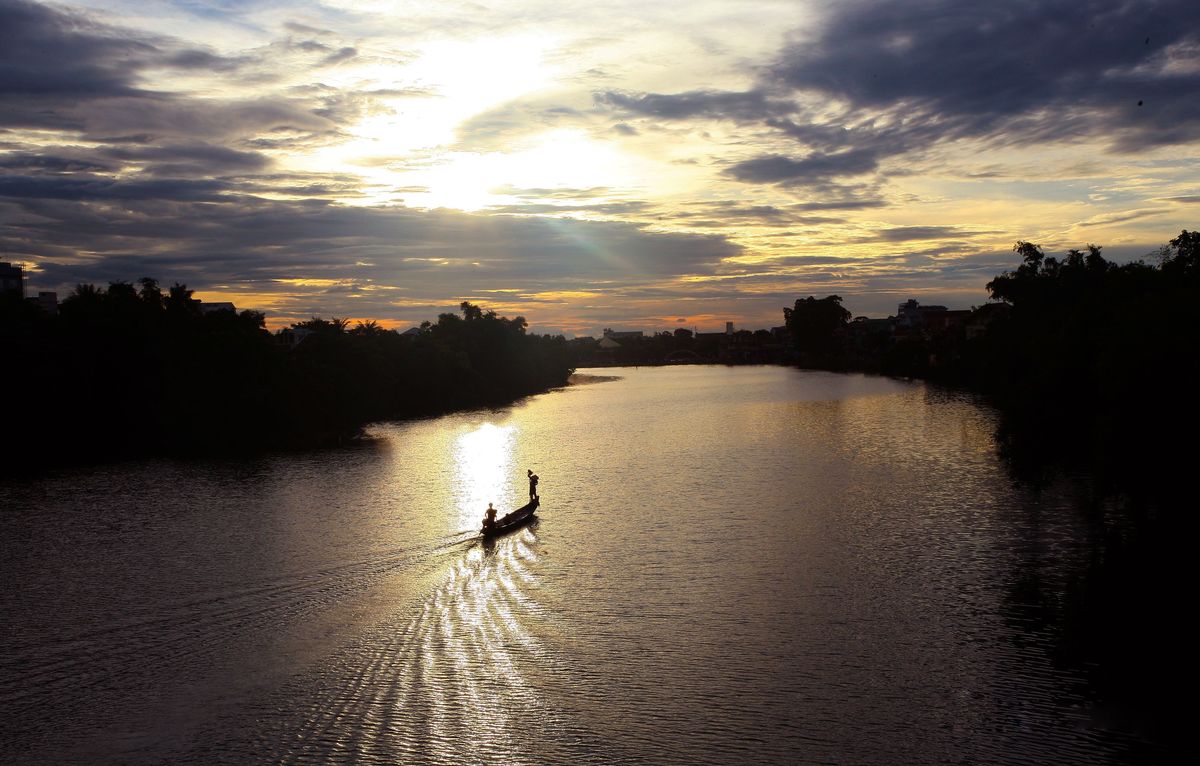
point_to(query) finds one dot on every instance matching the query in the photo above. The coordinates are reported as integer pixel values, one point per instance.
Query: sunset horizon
(587, 166)
(782, 382)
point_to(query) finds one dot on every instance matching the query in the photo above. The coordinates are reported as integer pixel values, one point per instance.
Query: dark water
(731, 565)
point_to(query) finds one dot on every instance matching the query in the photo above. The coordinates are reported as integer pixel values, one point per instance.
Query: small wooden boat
(511, 521)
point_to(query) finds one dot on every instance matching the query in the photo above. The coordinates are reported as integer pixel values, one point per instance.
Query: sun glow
(483, 470)
(421, 107)
(558, 159)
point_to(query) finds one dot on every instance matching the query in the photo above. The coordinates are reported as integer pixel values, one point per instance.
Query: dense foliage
(684, 347)
(1098, 354)
(130, 370)
(1094, 368)
(1089, 361)
(814, 326)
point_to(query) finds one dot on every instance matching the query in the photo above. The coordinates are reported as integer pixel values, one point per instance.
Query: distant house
(292, 336)
(411, 332)
(608, 344)
(911, 316)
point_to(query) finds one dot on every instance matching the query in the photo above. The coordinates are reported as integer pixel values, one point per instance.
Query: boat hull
(511, 521)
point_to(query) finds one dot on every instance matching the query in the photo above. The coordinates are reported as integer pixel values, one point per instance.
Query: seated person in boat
(489, 519)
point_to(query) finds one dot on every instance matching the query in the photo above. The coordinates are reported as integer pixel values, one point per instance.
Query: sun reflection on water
(483, 471)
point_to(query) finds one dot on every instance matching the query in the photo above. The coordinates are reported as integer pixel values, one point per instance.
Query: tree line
(1089, 361)
(1094, 369)
(133, 370)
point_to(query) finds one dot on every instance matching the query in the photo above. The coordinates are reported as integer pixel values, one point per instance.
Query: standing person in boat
(533, 482)
(489, 519)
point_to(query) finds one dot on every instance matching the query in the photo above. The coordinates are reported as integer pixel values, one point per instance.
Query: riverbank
(119, 374)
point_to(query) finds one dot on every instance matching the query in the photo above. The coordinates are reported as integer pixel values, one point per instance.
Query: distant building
(12, 279)
(908, 314)
(46, 301)
(411, 332)
(911, 315)
(292, 336)
(729, 328)
(607, 343)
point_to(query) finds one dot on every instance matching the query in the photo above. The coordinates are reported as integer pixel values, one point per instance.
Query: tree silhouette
(817, 328)
(170, 379)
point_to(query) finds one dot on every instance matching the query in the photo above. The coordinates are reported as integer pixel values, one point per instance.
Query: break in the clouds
(588, 166)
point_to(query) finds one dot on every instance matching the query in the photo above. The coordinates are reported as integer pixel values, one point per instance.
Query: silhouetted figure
(533, 482)
(489, 519)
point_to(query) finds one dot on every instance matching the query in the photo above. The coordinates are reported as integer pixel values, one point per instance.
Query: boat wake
(459, 678)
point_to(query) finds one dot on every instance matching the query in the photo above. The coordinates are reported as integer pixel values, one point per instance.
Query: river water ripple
(730, 565)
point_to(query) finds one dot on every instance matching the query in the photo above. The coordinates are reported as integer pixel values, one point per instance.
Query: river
(731, 565)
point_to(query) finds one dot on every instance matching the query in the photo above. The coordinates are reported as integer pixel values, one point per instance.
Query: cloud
(191, 159)
(84, 188)
(841, 204)
(49, 53)
(1022, 72)
(202, 234)
(62, 70)
(814, 168)
(749, 105)
(733, 212)
(910, 233)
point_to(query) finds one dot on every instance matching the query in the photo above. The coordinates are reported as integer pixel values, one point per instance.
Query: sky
(635, 165)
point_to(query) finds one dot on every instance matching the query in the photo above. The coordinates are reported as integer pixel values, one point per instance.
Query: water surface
(731, 565)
